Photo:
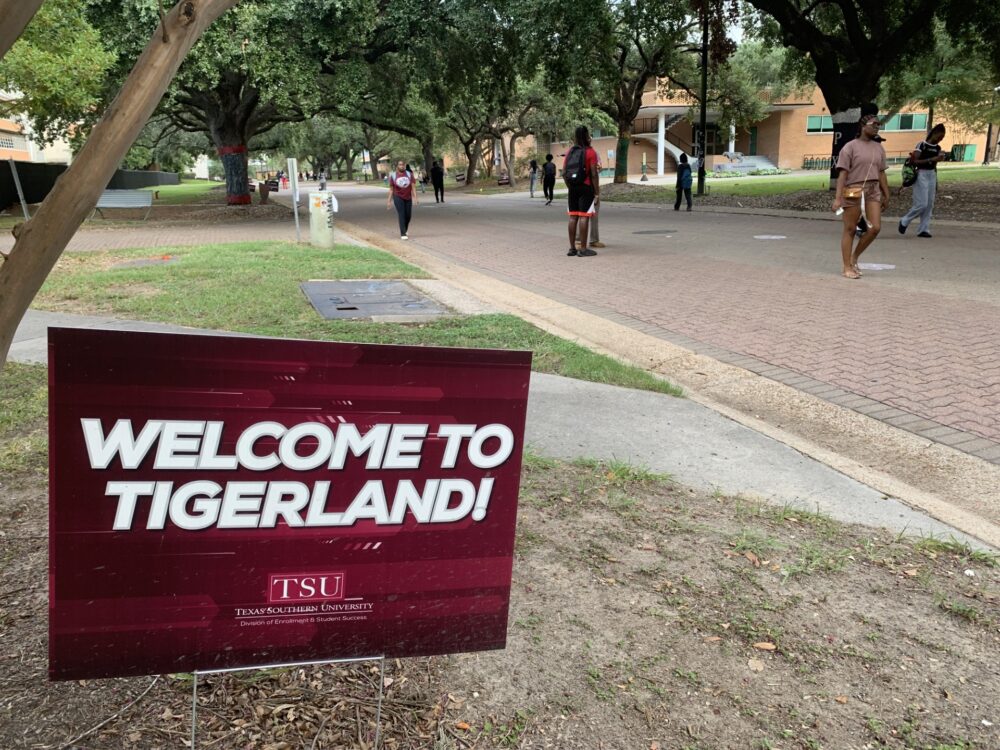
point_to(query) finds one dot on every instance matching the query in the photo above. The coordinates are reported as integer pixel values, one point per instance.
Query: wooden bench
(125, 199)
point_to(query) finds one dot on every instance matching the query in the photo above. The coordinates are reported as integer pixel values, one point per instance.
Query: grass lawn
(254, 288)
(189, 191)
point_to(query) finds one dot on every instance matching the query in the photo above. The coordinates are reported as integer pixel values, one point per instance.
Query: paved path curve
(916, 345)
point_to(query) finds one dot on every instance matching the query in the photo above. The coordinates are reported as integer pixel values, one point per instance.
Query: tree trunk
(512, 159)
(507, 162)
(621, 155)
(427, 149)
(339, 166)
(234, 165)
(16, 15)
(350, 165)
(42, 239)
(472, 154)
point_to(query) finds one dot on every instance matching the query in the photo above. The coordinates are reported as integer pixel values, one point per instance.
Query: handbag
(853, 193)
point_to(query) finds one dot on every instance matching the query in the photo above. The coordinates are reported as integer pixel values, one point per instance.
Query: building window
(13, 141)
(819, 124)
(907, 122)
(596, 133)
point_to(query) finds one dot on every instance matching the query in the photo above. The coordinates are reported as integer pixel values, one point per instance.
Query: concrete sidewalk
(697, 446)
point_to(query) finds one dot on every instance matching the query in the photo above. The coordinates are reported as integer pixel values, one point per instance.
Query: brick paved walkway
(886, 346)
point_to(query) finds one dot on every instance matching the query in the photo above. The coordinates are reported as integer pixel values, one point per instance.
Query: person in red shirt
(583, 198)
(402, 195)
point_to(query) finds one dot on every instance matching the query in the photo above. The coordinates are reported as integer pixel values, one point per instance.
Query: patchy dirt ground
(957, 201)
(644, 615)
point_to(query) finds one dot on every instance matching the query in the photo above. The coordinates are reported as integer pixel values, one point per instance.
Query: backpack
(575, 168)
(909, 172)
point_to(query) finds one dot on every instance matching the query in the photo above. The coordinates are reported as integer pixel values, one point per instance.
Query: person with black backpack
(925, 158)
(549, 179)
(582, 177)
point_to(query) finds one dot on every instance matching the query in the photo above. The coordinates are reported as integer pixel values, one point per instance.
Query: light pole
(989, 128)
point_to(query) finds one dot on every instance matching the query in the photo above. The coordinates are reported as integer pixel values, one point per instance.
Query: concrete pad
(702, 449)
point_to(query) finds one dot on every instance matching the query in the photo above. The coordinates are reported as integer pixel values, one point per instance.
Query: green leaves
(57, 66)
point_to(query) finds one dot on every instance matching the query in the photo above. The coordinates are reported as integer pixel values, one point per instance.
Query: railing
(824, 161)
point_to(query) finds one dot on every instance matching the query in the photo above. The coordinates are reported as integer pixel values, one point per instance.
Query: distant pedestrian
(322, 179)
(862, 191)
(437, 180)
(583, 180)
(402, 195)
(532, 176)
(684, 181)
(925, 158)
(549, 179)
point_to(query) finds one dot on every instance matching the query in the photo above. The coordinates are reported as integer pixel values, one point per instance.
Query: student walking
(925, 158)
(862, 191)
(549, 179)
(437, 180)
(683, 183)
(402, 195)
(532, 177)
(583, 180)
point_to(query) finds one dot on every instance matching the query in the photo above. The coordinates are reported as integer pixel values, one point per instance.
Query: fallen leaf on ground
(911, 572)
(841, 698)
(765, 646)
(462, 725)
(756, 665)
(712, 639)
(754, 560)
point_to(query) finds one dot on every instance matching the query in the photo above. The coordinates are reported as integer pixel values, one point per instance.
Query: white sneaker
(403, 237)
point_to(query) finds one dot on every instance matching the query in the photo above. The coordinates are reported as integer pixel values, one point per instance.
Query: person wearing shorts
(583, 199)
(862, 191)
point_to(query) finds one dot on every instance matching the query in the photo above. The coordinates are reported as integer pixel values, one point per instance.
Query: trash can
(322, 207)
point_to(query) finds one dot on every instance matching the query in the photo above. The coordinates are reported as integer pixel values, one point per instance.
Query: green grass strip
(253, 287)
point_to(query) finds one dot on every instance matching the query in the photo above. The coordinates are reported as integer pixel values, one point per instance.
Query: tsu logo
(305, 587)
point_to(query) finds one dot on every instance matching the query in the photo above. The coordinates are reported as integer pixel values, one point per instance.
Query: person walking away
(549, 179)
(532, 176)
(683, 183)
(402, 195)
(862, 190)
(925, 158)
(583, 180)
(437, 180)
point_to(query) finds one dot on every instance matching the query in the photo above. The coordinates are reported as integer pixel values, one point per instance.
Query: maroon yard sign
(222, 502)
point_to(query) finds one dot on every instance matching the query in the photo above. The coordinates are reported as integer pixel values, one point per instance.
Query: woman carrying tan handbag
(862, 190)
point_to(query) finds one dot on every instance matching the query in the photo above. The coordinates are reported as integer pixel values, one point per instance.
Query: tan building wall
(12, 142)
(783, 136)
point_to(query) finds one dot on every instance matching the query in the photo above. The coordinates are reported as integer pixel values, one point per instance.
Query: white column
(660, 143)
(732, 138)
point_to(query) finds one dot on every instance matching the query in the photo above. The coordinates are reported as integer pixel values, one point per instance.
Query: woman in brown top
(862, 189)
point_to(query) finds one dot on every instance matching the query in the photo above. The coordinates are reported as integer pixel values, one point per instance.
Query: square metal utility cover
(394, 301)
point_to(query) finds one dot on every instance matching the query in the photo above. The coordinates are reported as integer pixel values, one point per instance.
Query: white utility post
(732, 138)
(661, 143)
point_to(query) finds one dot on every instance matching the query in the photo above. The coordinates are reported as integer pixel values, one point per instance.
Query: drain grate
(374, 300)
